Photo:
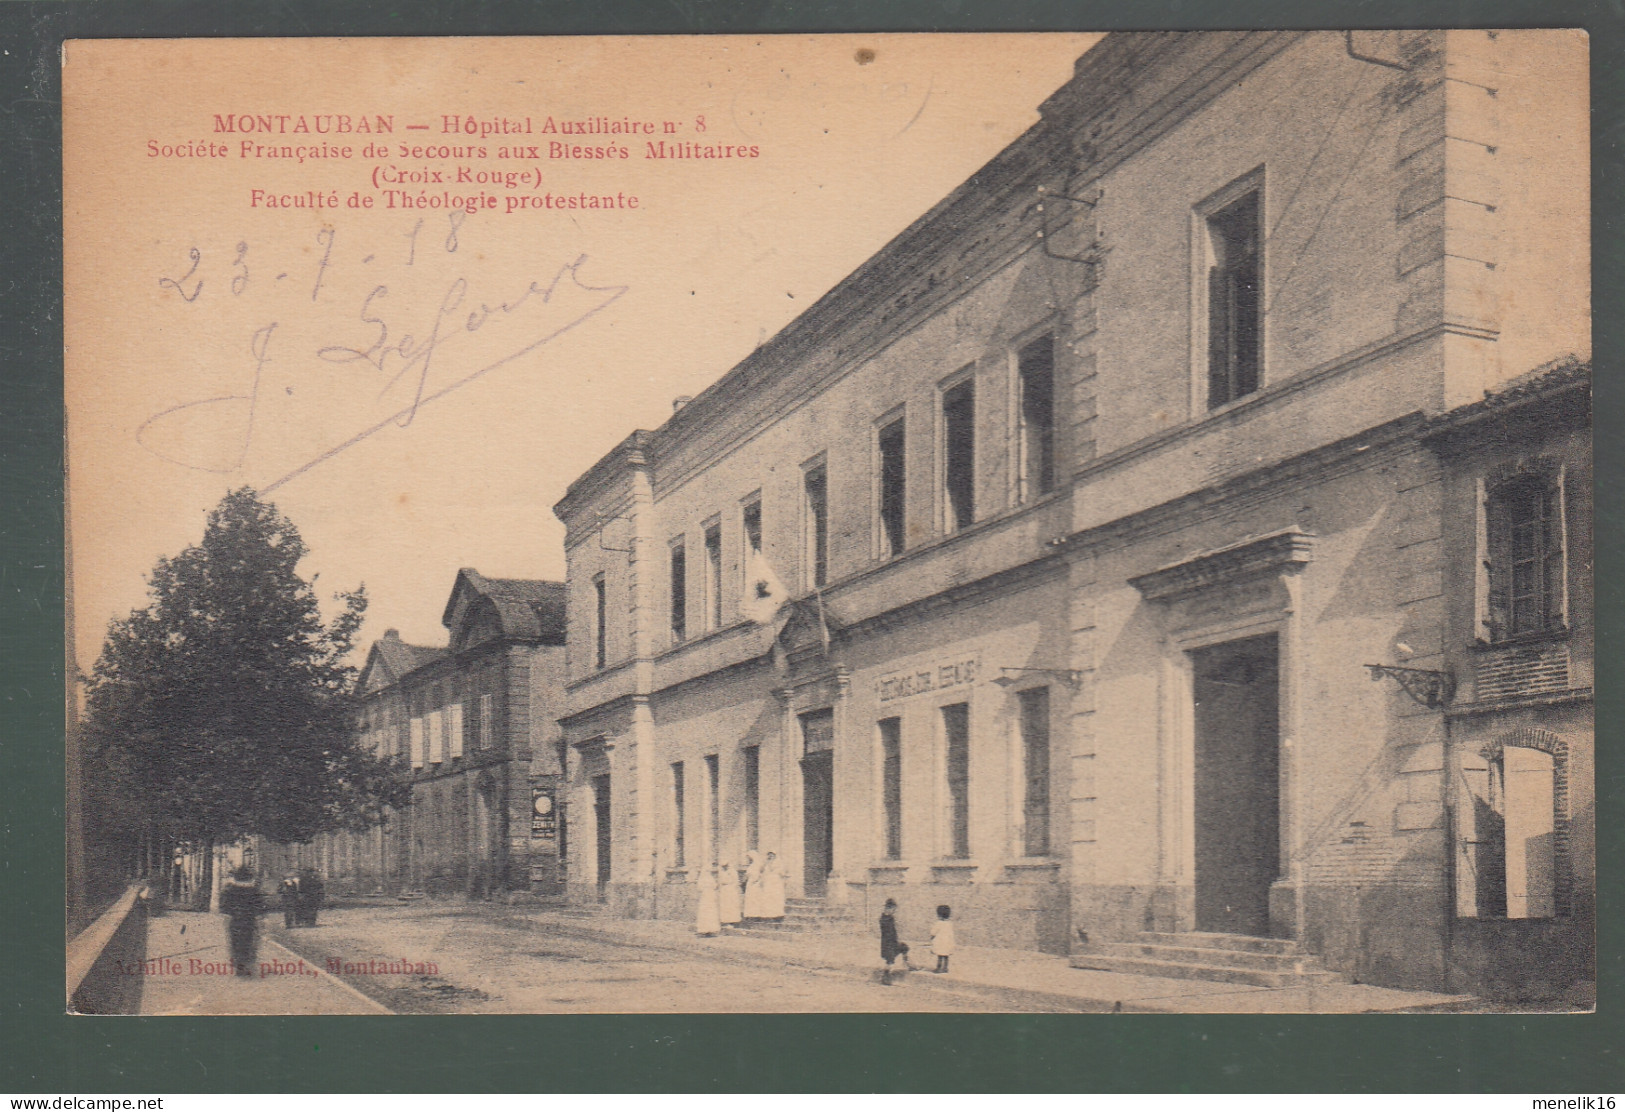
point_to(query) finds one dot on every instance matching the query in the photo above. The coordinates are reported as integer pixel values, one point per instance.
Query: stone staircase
(1201, 956)
(802, 915)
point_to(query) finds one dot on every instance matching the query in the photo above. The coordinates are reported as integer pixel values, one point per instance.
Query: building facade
(1035, 568)
(475, 723)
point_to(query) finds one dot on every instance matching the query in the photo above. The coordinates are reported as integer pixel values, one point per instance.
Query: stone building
(1034, 569)
(476, 723)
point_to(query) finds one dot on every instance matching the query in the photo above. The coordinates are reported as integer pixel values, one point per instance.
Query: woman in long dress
(772, 887)
(728, 901)
(706, 922)
(755, 904)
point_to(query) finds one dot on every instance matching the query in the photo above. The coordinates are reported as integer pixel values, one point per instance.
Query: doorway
(1237, 784)
(818, 804)
(600, 808)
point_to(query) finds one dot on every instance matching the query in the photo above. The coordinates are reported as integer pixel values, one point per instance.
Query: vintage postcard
(987, 523)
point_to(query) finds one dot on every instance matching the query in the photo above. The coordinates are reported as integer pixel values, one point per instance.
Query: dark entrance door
(1237, 796)
(600, 807)
(818, 804)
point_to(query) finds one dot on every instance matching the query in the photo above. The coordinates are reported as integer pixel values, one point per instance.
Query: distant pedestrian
(772, 887)
(242, 903)
(288, 896)
(755, 892)
(729, 904)
(891, 947)
(706, 922)
(942, 937)
(312, 893)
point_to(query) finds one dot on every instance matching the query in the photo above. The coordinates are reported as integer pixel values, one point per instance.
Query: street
(188, 971)
(486, 958)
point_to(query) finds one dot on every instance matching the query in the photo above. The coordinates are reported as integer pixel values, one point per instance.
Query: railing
(106, 959)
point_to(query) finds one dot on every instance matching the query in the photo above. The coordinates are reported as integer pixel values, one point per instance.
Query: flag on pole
(764, 590)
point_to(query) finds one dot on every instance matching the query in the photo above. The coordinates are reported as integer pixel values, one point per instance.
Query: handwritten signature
(395, 355)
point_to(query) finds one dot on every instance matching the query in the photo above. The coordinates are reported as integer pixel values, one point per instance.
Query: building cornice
(1272, 554)
(983, 225)
(629, 454)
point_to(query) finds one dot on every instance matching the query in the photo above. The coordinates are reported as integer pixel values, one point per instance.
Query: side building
(1036, 568)
(1521, 647)
(476, 725)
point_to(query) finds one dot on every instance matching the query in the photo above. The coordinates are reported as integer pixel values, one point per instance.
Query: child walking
(942, 937)
(891, 947)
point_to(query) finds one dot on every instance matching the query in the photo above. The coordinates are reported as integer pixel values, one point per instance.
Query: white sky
(718, 256)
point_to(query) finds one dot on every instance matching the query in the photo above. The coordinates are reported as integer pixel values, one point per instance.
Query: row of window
(1033, 725)
(438, 736)
(751, 755)
(817, 734)
(1233, 264)
(1035, 366)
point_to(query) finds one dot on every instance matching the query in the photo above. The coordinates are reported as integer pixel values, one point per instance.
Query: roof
(532, 609)
(395, 658)
(1569, 376)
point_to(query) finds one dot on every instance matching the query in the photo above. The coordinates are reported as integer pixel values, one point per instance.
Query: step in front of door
(1230, 959)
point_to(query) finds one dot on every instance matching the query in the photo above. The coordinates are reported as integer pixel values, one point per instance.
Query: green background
(43, 1052)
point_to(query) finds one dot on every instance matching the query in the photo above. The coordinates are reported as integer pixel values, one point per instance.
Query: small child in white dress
(942, 937)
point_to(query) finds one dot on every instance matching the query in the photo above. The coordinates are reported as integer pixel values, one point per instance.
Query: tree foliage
(225, 707)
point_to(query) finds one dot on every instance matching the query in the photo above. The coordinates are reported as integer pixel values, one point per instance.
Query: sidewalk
(187, 972)
(1022, 979)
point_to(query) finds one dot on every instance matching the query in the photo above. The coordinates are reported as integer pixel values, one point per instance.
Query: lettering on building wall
(937, 677)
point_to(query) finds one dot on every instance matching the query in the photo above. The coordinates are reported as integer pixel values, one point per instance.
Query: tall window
(713, 576)
(1035, 768)
(679, 591)
(1035, 369)
(956, 760)
(753, 794)
(1524, 526)
(679, 855)
(713, 807)
(487, 721)
(815, 486)
(891, 786)
(600, 632)
(892, 489)
(437, 735)
(454, 729)
(751, 520)
(1233, 302)
(959, 454)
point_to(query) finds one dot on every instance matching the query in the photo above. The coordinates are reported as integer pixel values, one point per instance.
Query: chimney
(392, 635)
(680, 401)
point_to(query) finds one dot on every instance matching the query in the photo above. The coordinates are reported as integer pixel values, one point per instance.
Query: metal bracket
(1348, 43)
(1426, 687)
(609, 548)
(1096, 254)
(1069, 676)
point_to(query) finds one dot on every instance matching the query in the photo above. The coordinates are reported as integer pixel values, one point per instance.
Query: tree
(226, 706)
